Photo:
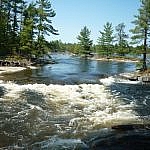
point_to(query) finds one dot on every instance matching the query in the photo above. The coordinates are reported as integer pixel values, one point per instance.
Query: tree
(11, 12)
(27, 34)
(16, 6)
(85, 42)
(15, 22)
(142, 28)
(23, 27)
(106, 38)
(121, 37)
(5, 27)
(3, 30)
(44, 27)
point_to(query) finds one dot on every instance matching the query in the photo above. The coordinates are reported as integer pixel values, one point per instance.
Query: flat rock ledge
(10, 69)
(143, 78)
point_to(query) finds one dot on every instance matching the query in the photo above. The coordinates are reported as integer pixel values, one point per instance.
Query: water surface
(55, 106)
(72, 70)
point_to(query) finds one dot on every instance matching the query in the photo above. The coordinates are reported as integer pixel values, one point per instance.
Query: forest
(24, 26)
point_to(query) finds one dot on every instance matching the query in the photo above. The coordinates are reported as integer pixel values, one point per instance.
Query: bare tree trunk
(145, 51)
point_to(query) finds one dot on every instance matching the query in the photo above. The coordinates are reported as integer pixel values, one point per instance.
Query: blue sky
(73, 15)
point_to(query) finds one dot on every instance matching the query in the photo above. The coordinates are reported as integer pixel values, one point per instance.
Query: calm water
(55, 106)
(72, 70)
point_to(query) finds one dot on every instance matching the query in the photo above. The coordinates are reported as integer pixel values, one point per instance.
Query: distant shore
(12, 69)
(115, 59)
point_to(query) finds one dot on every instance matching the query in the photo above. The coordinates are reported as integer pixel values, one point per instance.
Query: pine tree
(106, 38)
(85, 42)
(3, 29)
(15, 22)
(27, 34)
(142, 29)
(44, 27)
(121, 37)
(23, 29)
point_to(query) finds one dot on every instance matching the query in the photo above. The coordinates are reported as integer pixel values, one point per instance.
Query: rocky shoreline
(114, 59)
(7, 69)
(143, 77)
(11, 65)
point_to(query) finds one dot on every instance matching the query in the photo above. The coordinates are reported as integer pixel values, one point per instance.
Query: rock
(122, 137)
(128, 76)
(126, 141)
(145, 79)
(123, 127)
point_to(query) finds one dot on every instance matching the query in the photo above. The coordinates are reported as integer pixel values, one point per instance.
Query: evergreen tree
(3, 29)
(22, 28)
(15, 23)
(142, 28)
(44, 27)
(85, 42)
(121, 37)
(106, 38)
(27, 34)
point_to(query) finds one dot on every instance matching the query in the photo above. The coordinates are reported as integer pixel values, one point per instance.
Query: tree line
(140, 34)
(110, 43)
(23, 27)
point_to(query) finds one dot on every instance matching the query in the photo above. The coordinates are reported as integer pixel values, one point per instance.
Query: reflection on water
(71, 70)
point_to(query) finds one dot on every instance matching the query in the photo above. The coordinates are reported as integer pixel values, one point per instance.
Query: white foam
(112, 80)
(107, 81)
(57, 143)
(87, 105)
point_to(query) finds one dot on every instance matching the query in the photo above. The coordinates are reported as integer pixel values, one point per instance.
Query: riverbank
(7, 69)
(141, 76)
(115, 59)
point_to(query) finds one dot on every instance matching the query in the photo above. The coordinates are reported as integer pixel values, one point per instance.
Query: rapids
(37, 113)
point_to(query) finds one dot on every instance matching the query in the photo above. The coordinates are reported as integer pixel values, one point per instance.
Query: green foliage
(85, 42)
(43, 24)
(121, 37)
(23, 27)
(142, 28)
(57, 46)
(73, 48)
(106, 38)
(27, 32)
(3, 30)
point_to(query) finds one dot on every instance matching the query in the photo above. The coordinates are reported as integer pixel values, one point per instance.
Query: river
(57, 105)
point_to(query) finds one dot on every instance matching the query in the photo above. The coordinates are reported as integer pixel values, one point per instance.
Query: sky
(73, 15)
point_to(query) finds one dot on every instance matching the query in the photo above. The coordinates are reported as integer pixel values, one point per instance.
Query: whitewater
(57, 106)
(33, 113)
